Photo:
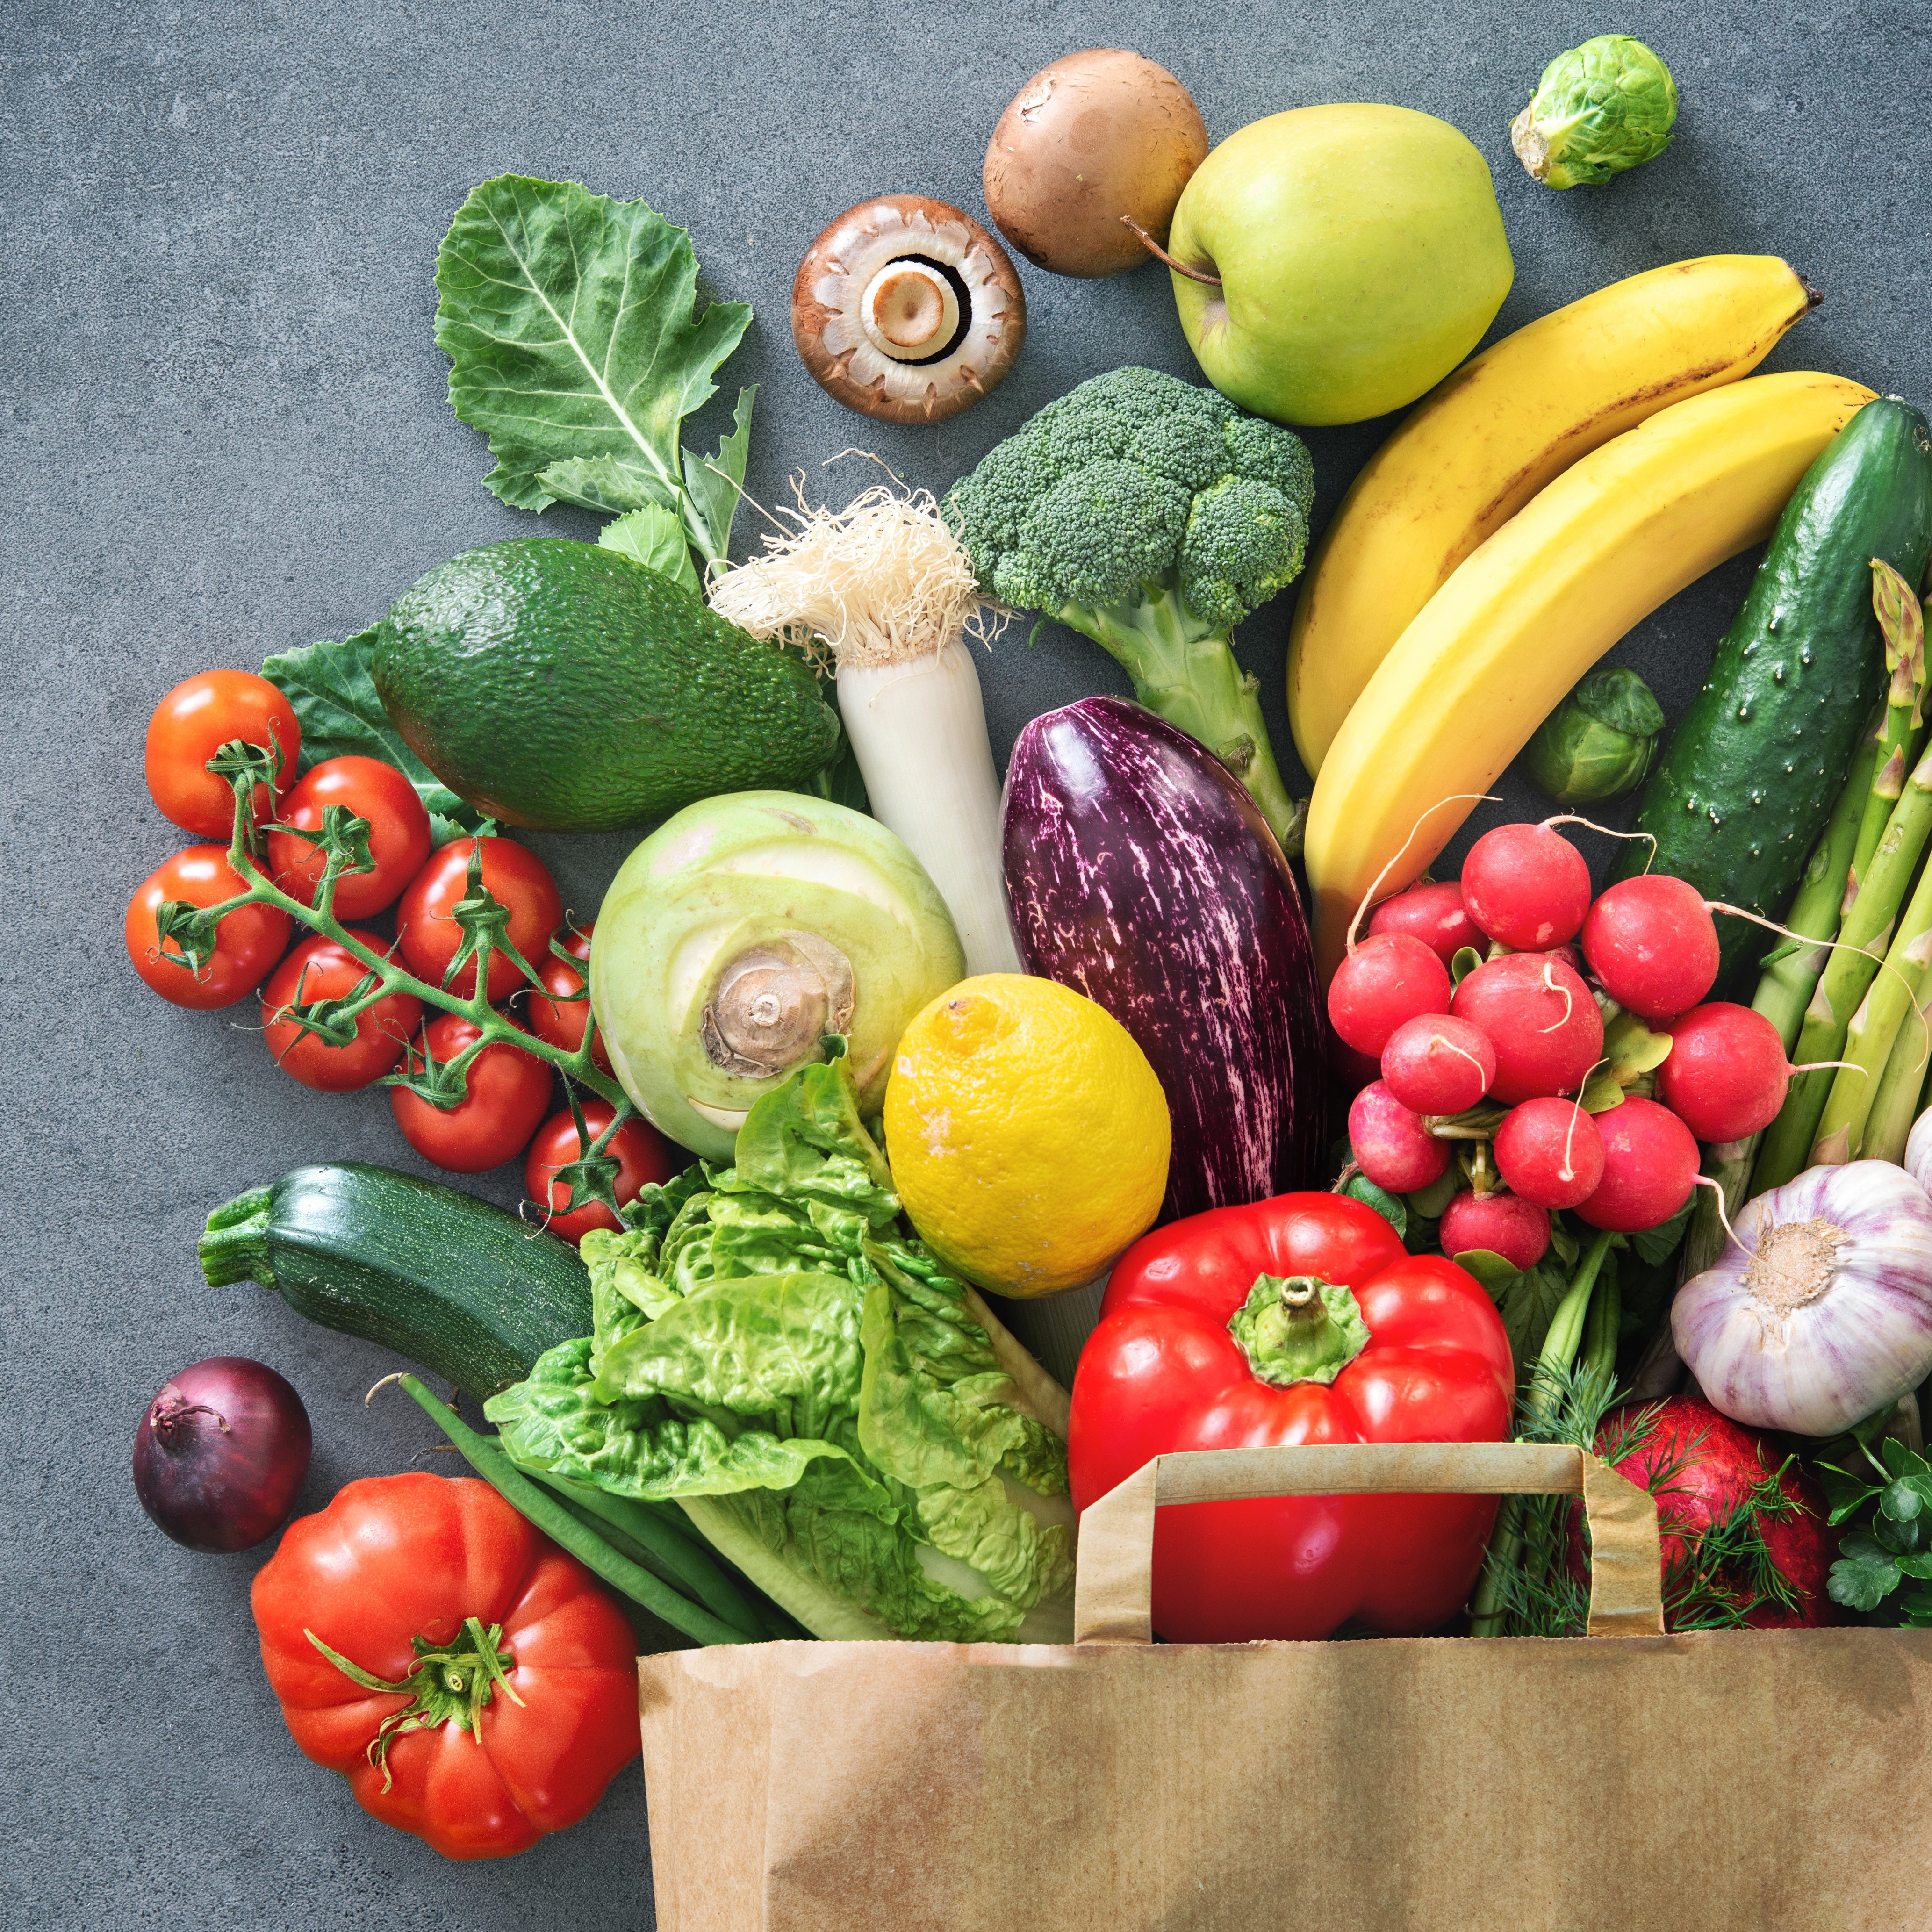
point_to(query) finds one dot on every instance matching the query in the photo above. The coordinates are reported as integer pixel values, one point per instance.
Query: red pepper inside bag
(1299, 1319)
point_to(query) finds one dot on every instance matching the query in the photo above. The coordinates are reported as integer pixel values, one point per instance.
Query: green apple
(1360, 254)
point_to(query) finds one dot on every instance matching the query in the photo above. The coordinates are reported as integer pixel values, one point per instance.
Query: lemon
(1028, 1136)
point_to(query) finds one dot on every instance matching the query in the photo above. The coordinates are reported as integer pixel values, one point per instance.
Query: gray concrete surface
(225, 433)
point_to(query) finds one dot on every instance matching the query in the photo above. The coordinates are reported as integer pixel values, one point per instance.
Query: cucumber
(1740, 796)
(461, 1288)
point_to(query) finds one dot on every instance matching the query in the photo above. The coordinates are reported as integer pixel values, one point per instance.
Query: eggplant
(1140, 873)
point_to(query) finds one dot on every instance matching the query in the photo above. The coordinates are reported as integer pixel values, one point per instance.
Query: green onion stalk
(1585, 1323)
(185, 936)
(1784, 990)
(1865, 936)
(629, 1544)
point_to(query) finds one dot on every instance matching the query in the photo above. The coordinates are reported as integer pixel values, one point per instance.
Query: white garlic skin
(1825, 1316)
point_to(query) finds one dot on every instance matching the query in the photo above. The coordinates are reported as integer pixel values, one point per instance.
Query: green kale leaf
(578, 343)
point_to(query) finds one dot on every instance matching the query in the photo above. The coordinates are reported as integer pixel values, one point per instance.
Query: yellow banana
(1515, 626)
(1485, 441)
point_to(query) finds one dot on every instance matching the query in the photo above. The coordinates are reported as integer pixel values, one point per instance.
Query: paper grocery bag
(1780, 1781)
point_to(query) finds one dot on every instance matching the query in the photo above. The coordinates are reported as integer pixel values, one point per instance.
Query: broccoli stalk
(1152, 516)
(1184, 671)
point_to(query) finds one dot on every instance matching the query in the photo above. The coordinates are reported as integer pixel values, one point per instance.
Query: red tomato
(192, 723)
(395, 1559)
(426, 927)
(247, 943)
(1164, 1370)
(639, 1150)
(561, 1021)
(509, 1094)
(398, 834)
(321, 969)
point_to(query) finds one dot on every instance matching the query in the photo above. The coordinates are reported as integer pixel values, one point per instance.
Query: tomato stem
(449, 1683)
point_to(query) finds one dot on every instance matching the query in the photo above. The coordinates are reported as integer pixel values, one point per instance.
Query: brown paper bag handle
(1114, 1579)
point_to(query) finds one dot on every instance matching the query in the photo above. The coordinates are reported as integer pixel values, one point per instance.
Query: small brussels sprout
(1603, 107)
(1598, 744)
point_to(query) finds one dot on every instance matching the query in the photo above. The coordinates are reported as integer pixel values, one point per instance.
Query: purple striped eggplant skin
(1140, 873)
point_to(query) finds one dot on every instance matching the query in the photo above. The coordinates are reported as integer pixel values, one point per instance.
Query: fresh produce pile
(877, 1075)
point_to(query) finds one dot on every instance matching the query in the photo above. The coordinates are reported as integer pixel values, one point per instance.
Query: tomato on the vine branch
(192, 723)
(641, 1153)
(247, 943)
(399, 835)
(321, 970)
(431, 935)
(508, 1094)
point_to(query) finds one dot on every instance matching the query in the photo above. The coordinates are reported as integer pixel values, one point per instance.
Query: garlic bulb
(1822, 1312)
(1919, 1150)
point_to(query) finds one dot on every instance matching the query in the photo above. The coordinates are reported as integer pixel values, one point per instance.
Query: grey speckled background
(225, 433)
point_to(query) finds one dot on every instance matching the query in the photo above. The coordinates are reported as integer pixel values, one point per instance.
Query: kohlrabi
(740, 934)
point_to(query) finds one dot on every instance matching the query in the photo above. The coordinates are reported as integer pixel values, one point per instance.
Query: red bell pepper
(1298, 1319)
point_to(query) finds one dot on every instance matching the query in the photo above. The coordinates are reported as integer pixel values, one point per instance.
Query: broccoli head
(1151, 515)
(1133, 487)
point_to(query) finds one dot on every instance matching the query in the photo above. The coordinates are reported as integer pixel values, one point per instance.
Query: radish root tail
(1718, 1196)
(1375, 885)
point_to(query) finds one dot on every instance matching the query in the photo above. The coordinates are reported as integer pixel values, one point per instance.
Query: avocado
(561, 686)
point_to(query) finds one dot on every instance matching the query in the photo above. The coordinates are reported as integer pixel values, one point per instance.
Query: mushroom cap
(857, 354)
(1098, 135)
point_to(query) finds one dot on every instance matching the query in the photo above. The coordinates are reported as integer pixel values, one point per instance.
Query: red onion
(220, 1454)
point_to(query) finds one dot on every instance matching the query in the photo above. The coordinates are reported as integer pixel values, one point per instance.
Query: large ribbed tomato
(424, 1578)
(1299, 1319)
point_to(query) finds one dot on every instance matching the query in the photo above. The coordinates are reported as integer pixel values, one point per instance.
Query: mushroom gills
(774, 1003)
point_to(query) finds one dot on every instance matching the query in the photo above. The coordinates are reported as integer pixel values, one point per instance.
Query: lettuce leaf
(577, 343)
(774, 1351)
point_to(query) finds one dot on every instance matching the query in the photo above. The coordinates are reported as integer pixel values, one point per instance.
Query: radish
(1650, 1167)
(1438, 1065)
(1392, 1146)
(1725, 1077)
(1434, 914)
(1549, 1152)
(1541, 1019)
(1653, 945)
(1387, 978)
(1505, 1224)
(1526, 887)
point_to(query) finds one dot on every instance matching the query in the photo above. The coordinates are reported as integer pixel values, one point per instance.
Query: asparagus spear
(1864, 936)
(1874, 1031)
(1792, 971)
(1897, 1104)
(1789, 978)
(1902, 622)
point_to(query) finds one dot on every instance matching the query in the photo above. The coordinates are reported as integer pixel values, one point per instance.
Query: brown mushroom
(907, 310)
(1093, 150)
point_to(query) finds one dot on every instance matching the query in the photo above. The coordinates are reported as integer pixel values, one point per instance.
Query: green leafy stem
(186, 937)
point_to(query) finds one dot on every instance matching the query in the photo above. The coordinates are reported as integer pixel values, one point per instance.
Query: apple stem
(1153, 247)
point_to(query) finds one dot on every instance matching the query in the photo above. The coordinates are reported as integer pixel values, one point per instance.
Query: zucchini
(1739, 798)
(462, 1288)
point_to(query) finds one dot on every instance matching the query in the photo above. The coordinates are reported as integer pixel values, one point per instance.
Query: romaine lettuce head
(840, 1416)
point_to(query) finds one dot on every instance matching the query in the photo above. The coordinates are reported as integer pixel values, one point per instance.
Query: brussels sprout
(739, 935)
(1597, 743)
(1602, 107)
